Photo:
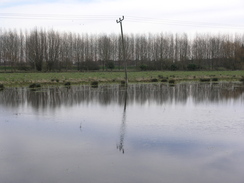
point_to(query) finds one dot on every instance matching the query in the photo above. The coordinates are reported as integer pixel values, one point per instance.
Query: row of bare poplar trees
(50, 50)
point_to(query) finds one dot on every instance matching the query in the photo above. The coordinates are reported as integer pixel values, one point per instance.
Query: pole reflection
(120, 146)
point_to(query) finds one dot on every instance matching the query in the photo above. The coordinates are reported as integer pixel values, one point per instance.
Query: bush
(67, 84)
(23, 66)
(221, 69)
(1, 87)
(160, 76)
(173, 67)
(53, 80)
(123, 83)
(154, 80)
(205, 80)
(172, 81)
(215, 79)
(192, 67)
(164, 80)
(110, 65)
(89, 65)
(94, 83)
(35, 85)
(143, 67)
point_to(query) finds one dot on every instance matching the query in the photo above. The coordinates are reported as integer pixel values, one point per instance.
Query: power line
(147, 20)
(55, 16)
(133, 19)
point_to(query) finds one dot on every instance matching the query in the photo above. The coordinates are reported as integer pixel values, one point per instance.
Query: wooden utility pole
(123, 46)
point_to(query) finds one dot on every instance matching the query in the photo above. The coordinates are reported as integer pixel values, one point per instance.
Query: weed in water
(205, 80)
(34, 85)
(94, 84)
(215, 79)
(67, 84)
(164, 80)
(1, 87)
(122, 83)
(154, 80)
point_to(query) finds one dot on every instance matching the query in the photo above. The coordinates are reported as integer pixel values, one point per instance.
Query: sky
(140, 16)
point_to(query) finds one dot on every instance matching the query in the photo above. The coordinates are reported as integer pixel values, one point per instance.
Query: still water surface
(152, 133)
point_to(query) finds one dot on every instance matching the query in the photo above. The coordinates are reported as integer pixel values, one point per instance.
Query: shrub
(53, 80)
(160, 76)
(205, 80)
(67, 84)
(89, 65)
(35, 85)
(154, 80)
(94, 84)
(23, 66)
(191, 67)
(221, 69)
(110, 65)
(1, 87)
(172, 81)
(143, 67)
(123, 83)
(215, 79)
(164, 80)
(173, 67)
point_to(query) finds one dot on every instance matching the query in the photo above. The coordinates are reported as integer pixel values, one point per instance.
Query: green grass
(116, 77)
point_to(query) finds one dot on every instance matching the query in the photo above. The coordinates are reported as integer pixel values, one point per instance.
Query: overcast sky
(99, 16)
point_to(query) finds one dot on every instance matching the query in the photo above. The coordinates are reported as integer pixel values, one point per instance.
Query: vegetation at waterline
(1, 87)
(34, 85)
(61, 78)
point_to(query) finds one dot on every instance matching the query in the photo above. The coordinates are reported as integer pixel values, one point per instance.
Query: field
(24, 79)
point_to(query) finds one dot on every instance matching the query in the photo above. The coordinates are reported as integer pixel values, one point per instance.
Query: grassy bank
(22, 79)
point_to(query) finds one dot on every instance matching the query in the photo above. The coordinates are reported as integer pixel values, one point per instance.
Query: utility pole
(123, 46)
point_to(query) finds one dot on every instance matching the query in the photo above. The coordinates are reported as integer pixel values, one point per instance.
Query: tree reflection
(55, 97)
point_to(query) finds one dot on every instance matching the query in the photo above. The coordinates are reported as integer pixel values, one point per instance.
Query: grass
(20, 79)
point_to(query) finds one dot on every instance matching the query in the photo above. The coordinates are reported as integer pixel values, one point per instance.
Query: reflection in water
(176, 134)
(54, 97)
(123, 126)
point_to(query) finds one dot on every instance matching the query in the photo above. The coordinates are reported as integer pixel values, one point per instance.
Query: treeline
(43, 50)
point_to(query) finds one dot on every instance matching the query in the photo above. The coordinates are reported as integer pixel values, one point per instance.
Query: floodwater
(155, 133)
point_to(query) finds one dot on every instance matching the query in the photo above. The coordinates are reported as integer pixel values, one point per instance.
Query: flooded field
(187, 133)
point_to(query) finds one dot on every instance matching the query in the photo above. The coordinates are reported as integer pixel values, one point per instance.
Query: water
(152, 133)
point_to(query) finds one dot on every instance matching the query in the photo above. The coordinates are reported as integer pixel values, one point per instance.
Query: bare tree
(35, 49)
(104, 49)
(52, 50)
